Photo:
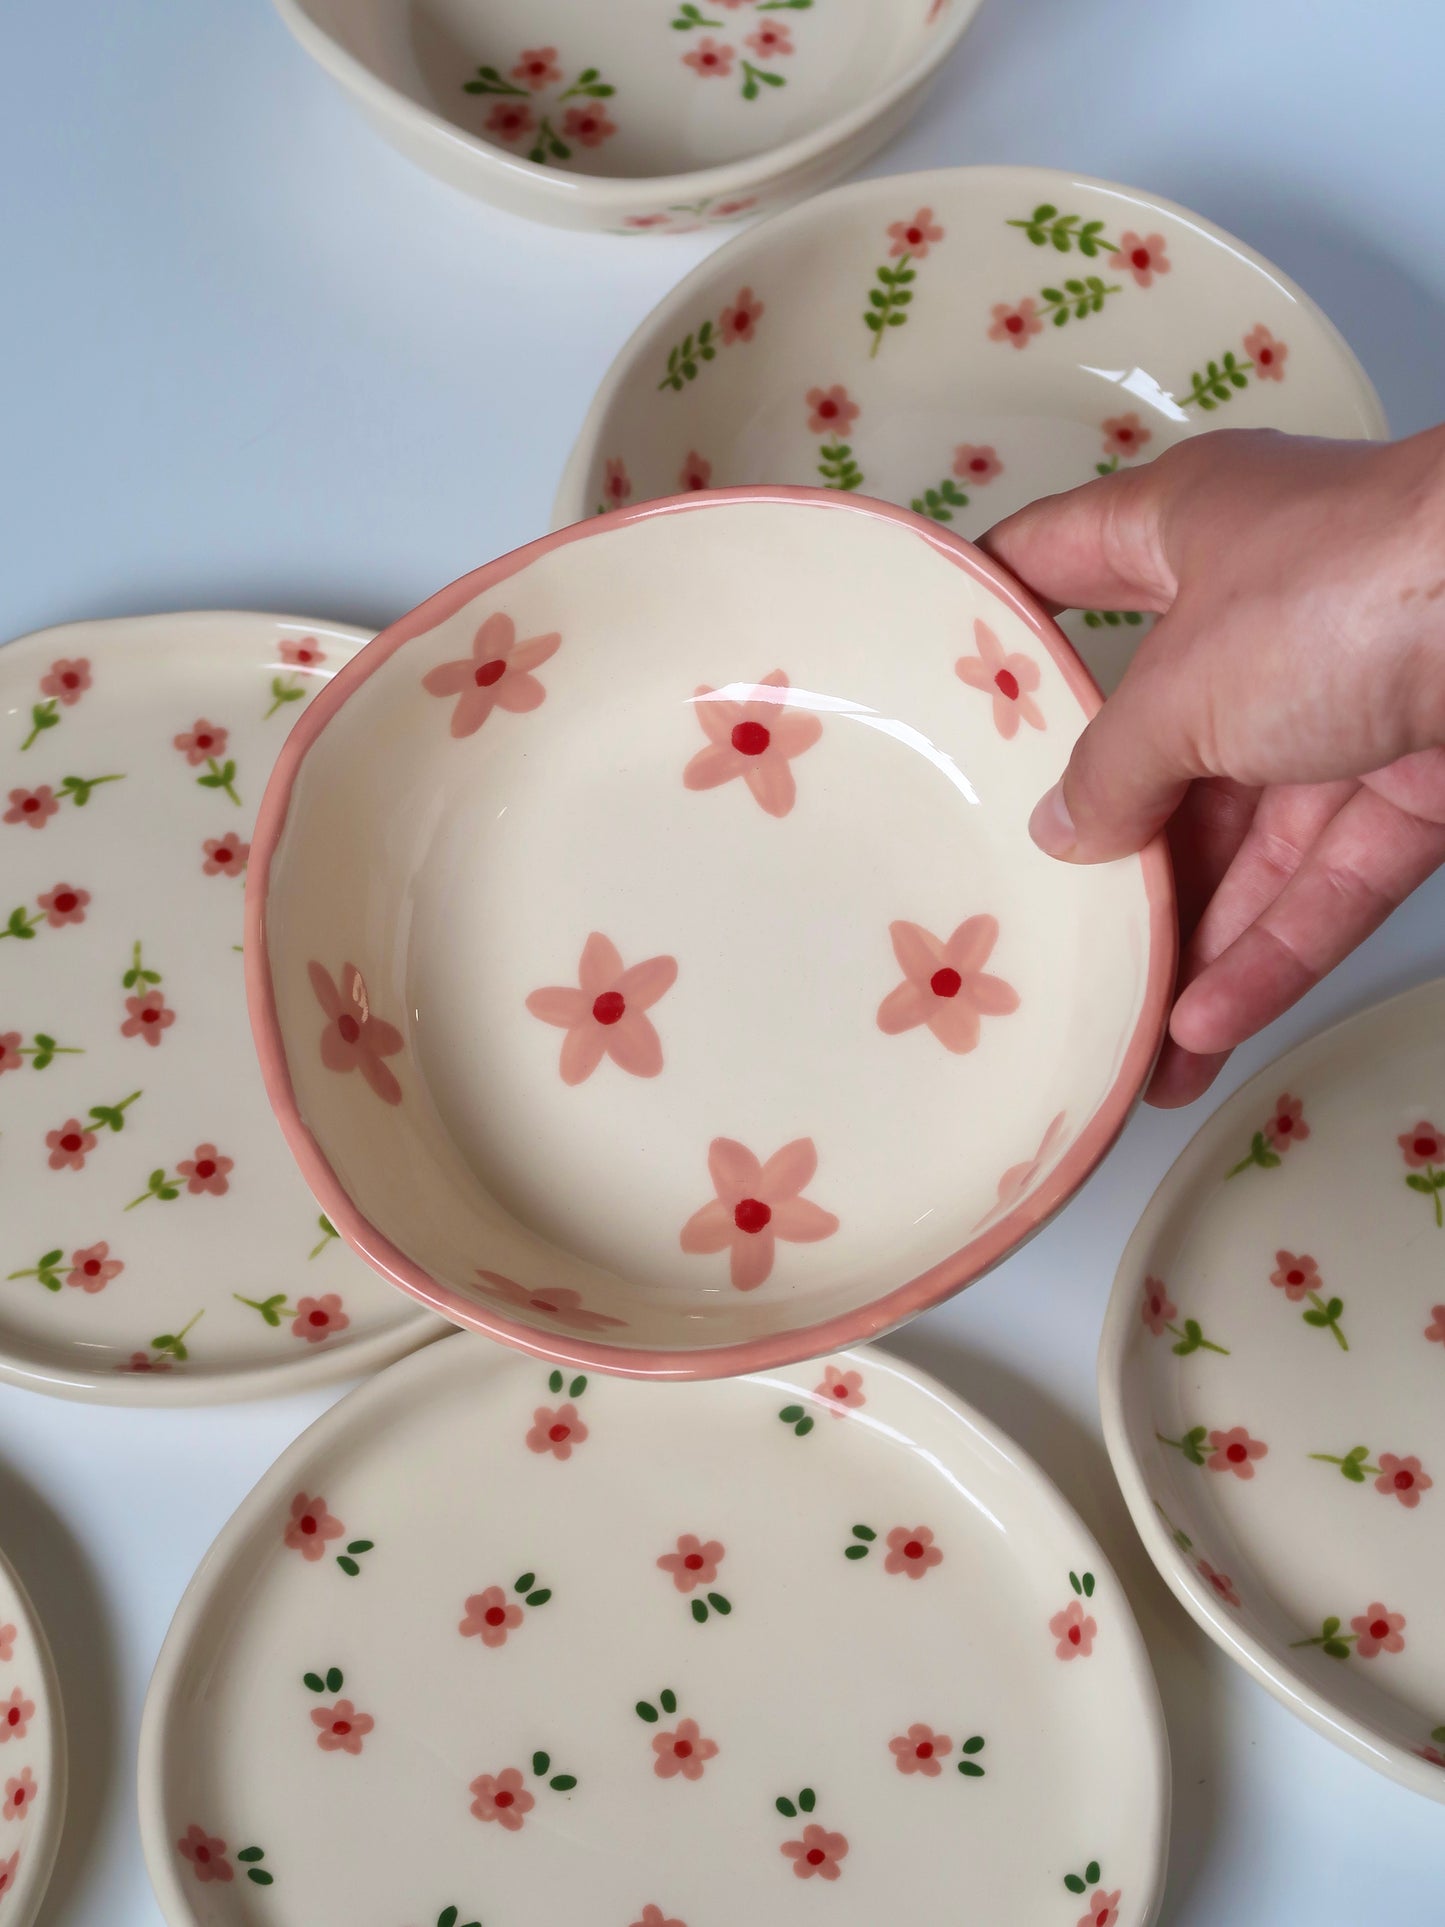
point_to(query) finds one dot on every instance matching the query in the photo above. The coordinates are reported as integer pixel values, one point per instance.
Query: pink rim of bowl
(776, 1349)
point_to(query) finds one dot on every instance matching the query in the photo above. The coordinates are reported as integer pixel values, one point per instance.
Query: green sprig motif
(220, 776)
(590, 85)
(1330, 1640)
(1076, 298)
(328, 1232)
(489, 81)
(838, 468)
(1111, 618)
(173, 1344)
(863, 1537)
(888, 301)
(1217, 382)
(43, 1050)
(284, 689)
(44, 1269)
(43, 716)
(251, 1858)
(272, 1309)
(1354, 1464)
(1046, 227)
(1190, 1444)
(689, 16)
(1080, 1883)
(1260, 1153)
(79, 788)
(559, 1782)
(1325, 1316)
(452, 1917)
(806, 1801)
(718, 1603)
(783, 6)
(666, 1700)
(1083, 1584)
(158, 1185)
(22, 924)
(532, 1594)
(1191, 1339)
(939, 503)
(1430, 1183)
(969, 1767)
(111, 1117)
(1109, 467)
(578, 1386)
(685, 357)
(138, 972)
(331, 1682)
(798, 1418)
(756, 78)
(348, 1560)
(549, 145)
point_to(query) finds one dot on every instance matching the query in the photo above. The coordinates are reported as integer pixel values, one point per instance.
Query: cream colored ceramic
(32, 1756)
(1272, 1377)
(653, 117)
(964, 341)
(771, 1649)
(647, 953)
(156, 1243)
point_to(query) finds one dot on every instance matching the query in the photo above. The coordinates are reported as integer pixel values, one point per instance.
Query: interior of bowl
(963, 341)
(656, 88)
(647, 949)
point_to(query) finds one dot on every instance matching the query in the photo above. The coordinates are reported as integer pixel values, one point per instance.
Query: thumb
(1099, 546)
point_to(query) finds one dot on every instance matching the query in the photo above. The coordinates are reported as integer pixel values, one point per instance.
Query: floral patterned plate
(32, 1756)
(1272, 1375)
(156, 1243)
(489, 1644)
(964, 341)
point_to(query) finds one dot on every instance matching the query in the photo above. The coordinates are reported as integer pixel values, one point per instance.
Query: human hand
(1285, 718)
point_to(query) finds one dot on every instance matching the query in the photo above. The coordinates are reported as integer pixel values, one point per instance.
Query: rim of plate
(570, 503)
(349, 1413)
(53, 1825)
(878, 1314)
(617, 194)
(260, 1381)
(1261, 1660)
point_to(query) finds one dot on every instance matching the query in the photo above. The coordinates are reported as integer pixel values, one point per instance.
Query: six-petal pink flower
(354, 1038)
(755, 738)
(944, 983)
(496, 675)
(1010, 679)
(756, 1204)
(606, 1014)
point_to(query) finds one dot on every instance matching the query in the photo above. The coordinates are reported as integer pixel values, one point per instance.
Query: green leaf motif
(786, 1807)
(541, 1762)
(790, 1414)
(361, 1545)
(333, 1679)
(838, 468)
(577, 1387)
(250, 1853)
(316, 1684)
(526, 1582)
(699, 1611)
(939, 503)
(1091, 1872)
(555, 1382)
(1074, 1884)
(807, 1799)
(668, 1700)
(645, 1710)
(348, 1566)
(562, 1782)
(803, 1427)
(864, 1532)
(719, 1604)
(540, 1597)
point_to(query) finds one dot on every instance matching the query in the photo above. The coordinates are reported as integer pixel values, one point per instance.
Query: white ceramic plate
(920, 338)
(761, 1650)
(145, 1191)
(32, 1756)
(1272, 1375)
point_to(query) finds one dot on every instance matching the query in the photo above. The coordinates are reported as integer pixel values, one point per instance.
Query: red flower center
(752, 1215)
(1015, 324)
(978, 465)
(585, 123)
(70, 679)
(222, 855)
(150, 1015)
(20, 1796)
(204, 741)
(1265, 357)
(349, 1028)
(1076, 1633)
(503, 1799)
(750, 739)
(495, 1616)
(1295, 1277)
(913, 236)
(91, 1267)
(71, 1141)
(30, 805)
(1124, 435)
(341, 1726)
(318, 1318)
(1379, 1629)
(66, 901)
(608, 1008)
(709, 60)
(12, 1715)
(305, 655)
(1140, 258)
(559, 1432)
(1403, 1481)
(694, 480)
(206, 1168)
(308, 1524)
(815, 1856)
(1425, 1147)
(1104, 1916)
(487, 673)
(693, 1562)
(1007, 684)
(914, 1549)
(840, 1391)
(203, 1856)
(1283, 1125)
(945, 982)
(827, 408)
(1236, 1454)
(924, 1749)
(683, 1749)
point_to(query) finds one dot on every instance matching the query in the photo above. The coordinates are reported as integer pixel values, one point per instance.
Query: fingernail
(1051, 825)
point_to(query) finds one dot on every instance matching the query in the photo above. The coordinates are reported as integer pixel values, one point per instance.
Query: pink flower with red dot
(1220, 1581)
(1009, 679)
(501, 1797)
(70, 1146)
(318, 1318)
(1287, 1126)
(606, 1014)
(553, 1301)
(770, 42)
(92, 1267)
(67, 679)
(7, 1872)
(10, 1054)
(496, 675)
(756, 1204)
(1403, 1479)
(1435, 1330)
(1295, 1275)
(7, 1642)
(755, 738)
(842, 1389)
(616, 482)
(143, 1362)
(972, 463)
(1125, 435)
(1158, 1307)
(1017, 326)
(307, 653)
(207, 1855)
(1103, 1909)
(490, 1616)
(1234, 1451)
(224, 855)
(311, 1527)
(147, 1017)
(17, 1712)
(589, 125)
(33, 807)
(202, 741)
(833, 410)
(739, 321)
(354, 1038)
(207, 1171)
(1074, 1632)
(945, 986)
(557, 1432)
(911, 1550)
(1378, 1630)
(537, 68)
(1423, 1146)
(64, 904)
(817, 1853)
(340, 1728)
(914, 237)
(711, 59)
(920, 1750)
(1143, 255)
(695, 472)
(1266, 352)
(510, 120)
(20, 1794)
(693, 1563)
(684, 1751)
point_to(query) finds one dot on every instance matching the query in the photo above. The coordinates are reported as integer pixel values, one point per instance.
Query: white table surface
(250, 358)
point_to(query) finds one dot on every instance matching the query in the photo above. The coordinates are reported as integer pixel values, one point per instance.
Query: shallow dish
(855, 1643)
(964, 341)
(156, 1243)
(650, 118)
(32, 1755)
(648, 958)
(1271, 1380)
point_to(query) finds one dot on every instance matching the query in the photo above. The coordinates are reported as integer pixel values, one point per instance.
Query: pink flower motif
(645, 220)
(683, 1751)
(755, 1205)
(147, 1017)
(1144, 255)
(1103, 1909)
(556, 1431)
(712, 59)
(588, 125)
(502, 1798)
(769, 42)
(318, 1318)
(606, 1015)
(725, 210)
(1403, 1478)
(1221, 1582)
(944, 983)
(1424, 1145)
(1008, 679)
(92, 1267)
(7, 1872)
(617, 485)
(354, 1039)
(1125, 435)
(490, 1616)
(843, 1390)
(537, 68)
(818, 1852)
(1287, 1126)
(557, 1301)
(206, 1854)
(10, 1058)
(311, 1527)
(34, 807)
(833, 411)
(224, 855)
(1378, 1631)
(1234, 1451)
(70, 1146)
(201, 741)
(64, 904)
(206, 1171)
(695, 471)
(7, 1642)
(740, 321)
(1017, 325)
(67, 680)
(914, 237)
(1158, 1308)
(20, 1794)
(497, 674)
(921, 1750)
(510, 120)
(755, 739)
(694, 1563)
(1266, 352)
(143, 1362)
(17, 1712)
(305, 654)
(1074, 1630)
(340, 1728)
(1434, 1331)
(654, 1917)
(976, 464)
(911, 1550)
(1295, 1276)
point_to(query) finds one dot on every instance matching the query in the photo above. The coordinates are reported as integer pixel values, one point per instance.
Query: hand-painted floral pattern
(63, 904)
(496, 675)
(490, 1616)
(617, 486)
(16, 1713)
(976, 463)
(843, 1389)
(537, 73)
(832, 411)
(606, 1014)
(892, 295)
(147, 1017)
(1142, 255)
(224, 855)
(693, 1562)
(1221, 1582)
(1159, 1311)
(754, 733)
(654, 1917)
(1267, 354)
(818, 1852)
(695, 472)
(1009, 679)
(556, 1431)
(554, 1301)
(945, 986)
(1125, 435)
(20, 1794)
(355, 1039)
(1074, 1632)
(501, 1797)
(306, 653)
(318, 1318)
(1103, 1908)
(311, 1528)
(207, 1855)
(1423, 1150)
(1435, 1330)
(683, 1751)
(341, 1728)
(1235, 1451)
(1376, 1630)
(739, 322)
(756, 1204)
(1017, 325)
(1286, 1126)
(70, 1146)
(67, 680)
(911, 1550)
(92, 1267)
(32, 807)
(920, 1750)
(1399, 1478)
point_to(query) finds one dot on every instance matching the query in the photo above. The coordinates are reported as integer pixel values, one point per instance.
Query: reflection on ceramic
(649, 118)
(156, 1244)
(852, 1638)
(1273, 1382)
(646, 950)
(964, 341)
(32, 1756)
